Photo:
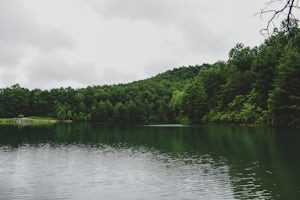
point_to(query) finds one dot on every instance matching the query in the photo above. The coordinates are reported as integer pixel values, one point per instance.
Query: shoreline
(33, 120)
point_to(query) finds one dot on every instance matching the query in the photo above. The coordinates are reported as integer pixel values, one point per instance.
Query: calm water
(96, 161)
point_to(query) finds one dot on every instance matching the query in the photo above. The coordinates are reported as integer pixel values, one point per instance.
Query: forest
(259, 85)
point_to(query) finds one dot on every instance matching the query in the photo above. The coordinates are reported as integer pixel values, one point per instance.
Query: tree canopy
(258, 85)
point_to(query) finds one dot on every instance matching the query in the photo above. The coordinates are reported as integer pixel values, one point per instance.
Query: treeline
(140, 101)
(257, 85)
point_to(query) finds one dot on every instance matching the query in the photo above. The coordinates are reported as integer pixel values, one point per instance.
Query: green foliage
(257, 85)
(61, 113)
(265, 90)
(195, 101)
(21, 116)
(213, 78)
(284, 99)
(13, 101)
(175, 106)
(241, 57)
(69, 114)
(120, 112)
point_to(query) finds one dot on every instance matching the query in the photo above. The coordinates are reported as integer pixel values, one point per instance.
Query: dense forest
(259, 85)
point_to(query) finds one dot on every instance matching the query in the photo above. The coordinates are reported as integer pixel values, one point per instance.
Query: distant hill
(257, 85)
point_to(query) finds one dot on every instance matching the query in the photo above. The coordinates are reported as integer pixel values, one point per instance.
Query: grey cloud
(114, 76)
(20, 31)
(10, 55)
(154, 10)
(157, 66)
(8, 77)
(177, 13)
(53, 68)
(200, 38)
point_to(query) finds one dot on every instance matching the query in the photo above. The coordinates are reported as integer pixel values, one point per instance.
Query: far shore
(33, 120)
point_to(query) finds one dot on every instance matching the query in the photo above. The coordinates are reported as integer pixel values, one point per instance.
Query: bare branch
(286, 9)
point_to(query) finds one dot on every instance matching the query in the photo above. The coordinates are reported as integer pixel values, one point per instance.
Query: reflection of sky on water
(106, 172)
(137, 161)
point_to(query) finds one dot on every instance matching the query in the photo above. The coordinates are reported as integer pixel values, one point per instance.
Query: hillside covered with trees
(259, 85)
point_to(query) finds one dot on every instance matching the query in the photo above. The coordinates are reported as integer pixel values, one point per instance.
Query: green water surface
(101, 161)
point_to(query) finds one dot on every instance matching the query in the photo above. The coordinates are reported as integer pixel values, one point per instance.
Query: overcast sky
(58, 43)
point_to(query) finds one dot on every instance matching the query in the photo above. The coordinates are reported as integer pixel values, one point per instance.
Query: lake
(109, 161)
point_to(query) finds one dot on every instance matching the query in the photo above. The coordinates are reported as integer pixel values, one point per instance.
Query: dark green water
(97, 161)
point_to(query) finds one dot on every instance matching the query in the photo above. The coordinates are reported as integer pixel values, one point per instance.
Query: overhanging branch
(286, 9)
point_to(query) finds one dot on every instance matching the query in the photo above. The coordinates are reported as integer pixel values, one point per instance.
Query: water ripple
(84, 172)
